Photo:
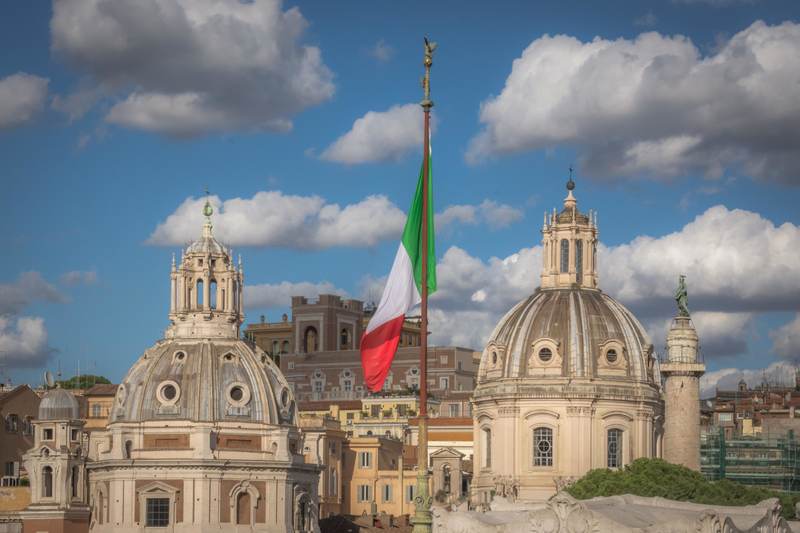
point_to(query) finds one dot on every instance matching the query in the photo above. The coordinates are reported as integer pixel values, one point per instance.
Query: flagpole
(423, 500)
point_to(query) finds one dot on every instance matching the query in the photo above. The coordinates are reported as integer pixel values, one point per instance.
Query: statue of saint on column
(682, 297)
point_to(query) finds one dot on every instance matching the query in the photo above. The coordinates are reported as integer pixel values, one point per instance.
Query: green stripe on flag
(412, 235)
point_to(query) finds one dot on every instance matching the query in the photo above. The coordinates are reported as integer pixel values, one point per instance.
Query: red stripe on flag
(377, 352)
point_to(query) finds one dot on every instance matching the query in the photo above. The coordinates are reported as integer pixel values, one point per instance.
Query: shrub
(656, 477)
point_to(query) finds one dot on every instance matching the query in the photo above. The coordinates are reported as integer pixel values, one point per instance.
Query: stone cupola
(570, 246)
(206, 300)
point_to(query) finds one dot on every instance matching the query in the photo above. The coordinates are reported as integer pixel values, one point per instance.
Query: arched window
(345, 338)
(47, 482)
(213, 294)
(200, 294)
(487, 448)
(311, 339)
(447, 475)
(243, 508)
(275, 347)
(542, 447)
(564, 256)
(579, 259)
(128, 446)
(614, 448)
(285, 347)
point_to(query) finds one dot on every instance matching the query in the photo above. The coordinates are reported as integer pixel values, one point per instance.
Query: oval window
(545, 354)
(494, 358)
(611, 356)
(285, 398)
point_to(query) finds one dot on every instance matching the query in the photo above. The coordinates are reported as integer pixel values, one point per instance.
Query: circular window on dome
(228, 358)
(545, 355)
(121, 393)
(180, 356)
(168, 393)
(238, 394)
(611, 356)
(285, 398)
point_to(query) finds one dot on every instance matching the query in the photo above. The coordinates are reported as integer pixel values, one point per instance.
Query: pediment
(448, 452)
(157, 487)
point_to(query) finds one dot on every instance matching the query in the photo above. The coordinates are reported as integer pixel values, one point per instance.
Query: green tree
(87, 381)
(656, 477)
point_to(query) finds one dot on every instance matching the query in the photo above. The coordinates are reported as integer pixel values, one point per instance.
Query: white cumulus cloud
(272, 219)
(186, 68)
(655, 107)
(78, 277)
(267, 295)
(22, 97)
(379, 137)
(786, 340)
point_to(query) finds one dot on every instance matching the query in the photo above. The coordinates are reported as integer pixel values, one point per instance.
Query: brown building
(324, 447)
(323, 361)
(18, 409)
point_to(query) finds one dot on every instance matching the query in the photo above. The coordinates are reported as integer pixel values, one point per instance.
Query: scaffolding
(764, 460)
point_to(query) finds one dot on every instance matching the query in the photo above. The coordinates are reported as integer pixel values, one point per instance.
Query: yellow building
(323, 446)
(388, 415)
(374, 478)
(98, 403)
(272, 337)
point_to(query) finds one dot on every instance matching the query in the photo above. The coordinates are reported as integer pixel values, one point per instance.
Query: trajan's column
(682, 389)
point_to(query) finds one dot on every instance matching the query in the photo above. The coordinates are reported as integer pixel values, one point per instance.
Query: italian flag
(403, 290)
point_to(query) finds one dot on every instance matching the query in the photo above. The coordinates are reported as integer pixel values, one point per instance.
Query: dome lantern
(569, 246)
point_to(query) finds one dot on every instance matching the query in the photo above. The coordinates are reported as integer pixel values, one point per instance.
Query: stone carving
(506, 487)
(562, 482)
(564, 514)
(508, 412)
(682, 297)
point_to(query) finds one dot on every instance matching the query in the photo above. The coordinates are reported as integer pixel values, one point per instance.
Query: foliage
(24, 482)
(87, 381)
(656, 477)
(387, 412)
(411, 412)
(441, 496)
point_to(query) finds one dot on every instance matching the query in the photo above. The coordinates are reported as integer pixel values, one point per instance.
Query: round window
(544, 447)
(494, 358)
(228, 358)
(121, 395)
(414, 371)
(545, 354)
(318, 374)
(168, 393)
(347, 373)
(180, 356)
(238, 394)
(611, 356)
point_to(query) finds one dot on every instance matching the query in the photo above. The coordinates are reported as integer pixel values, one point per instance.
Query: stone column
(173, 290)
(682, 395)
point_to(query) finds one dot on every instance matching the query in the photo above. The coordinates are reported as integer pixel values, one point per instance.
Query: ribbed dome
(584, 334)
(204, 381)
(206, 245)
(58, 404)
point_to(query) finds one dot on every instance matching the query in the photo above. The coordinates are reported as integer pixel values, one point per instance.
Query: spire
(207, 211)
(570, 201)
(173, 262)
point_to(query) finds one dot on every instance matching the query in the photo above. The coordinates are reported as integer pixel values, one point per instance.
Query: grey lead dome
(580, 323)
(58, 404)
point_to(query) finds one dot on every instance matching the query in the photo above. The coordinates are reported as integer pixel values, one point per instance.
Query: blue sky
(681, 118)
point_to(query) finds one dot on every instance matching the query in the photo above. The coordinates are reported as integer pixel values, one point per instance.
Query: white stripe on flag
(400, 294)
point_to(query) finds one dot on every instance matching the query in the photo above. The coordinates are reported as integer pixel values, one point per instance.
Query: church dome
(204, 381)
(58, 404)
(568, 332)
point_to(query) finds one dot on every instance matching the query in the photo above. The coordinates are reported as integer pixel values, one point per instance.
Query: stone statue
(681, 297)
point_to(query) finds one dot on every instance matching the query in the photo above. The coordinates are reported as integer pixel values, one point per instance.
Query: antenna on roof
(48, 379)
